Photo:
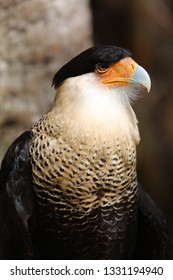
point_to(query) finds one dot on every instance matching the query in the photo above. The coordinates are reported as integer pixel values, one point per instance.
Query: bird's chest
(86, 196)
(80, 175)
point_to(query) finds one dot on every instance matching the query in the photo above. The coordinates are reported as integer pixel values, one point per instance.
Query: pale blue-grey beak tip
(141, 79)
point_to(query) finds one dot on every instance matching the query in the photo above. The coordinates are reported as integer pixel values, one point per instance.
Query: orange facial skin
(119, 73)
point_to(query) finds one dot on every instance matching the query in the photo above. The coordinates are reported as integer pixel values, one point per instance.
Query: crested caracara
(68, 185)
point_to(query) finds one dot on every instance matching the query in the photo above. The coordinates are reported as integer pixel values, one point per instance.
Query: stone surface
(37, 38)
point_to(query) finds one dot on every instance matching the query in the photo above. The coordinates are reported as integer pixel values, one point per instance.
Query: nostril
(133, 66)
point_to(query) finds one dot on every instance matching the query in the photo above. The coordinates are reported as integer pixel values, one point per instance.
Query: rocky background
(38, 36)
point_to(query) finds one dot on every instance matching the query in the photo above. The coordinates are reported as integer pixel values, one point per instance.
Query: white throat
(91, 107)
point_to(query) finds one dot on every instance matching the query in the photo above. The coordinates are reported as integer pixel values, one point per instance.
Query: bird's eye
(101, 68)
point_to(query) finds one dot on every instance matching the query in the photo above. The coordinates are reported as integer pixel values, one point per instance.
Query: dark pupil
(102, 66)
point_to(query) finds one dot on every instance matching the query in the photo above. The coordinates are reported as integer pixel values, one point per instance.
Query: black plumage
(70, 193)
(86, 61)
(16, 201)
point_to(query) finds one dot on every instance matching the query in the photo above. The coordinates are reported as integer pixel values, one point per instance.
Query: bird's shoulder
(15, 161)
(16, 199)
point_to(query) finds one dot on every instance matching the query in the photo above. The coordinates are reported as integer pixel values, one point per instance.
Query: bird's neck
(94, 112)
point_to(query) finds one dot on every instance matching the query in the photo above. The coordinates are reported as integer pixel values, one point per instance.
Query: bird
(68, 184)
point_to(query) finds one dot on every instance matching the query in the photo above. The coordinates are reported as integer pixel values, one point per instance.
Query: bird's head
(99, 84)
(113, 65)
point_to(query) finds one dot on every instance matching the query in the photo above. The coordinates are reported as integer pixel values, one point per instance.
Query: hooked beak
(140, 78)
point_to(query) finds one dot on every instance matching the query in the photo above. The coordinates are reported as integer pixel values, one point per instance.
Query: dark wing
(16, 200)
(153, 237)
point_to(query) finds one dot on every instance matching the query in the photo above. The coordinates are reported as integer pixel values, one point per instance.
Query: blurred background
(38, 36)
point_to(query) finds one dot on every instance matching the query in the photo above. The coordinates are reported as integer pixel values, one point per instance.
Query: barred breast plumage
(85, 185)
